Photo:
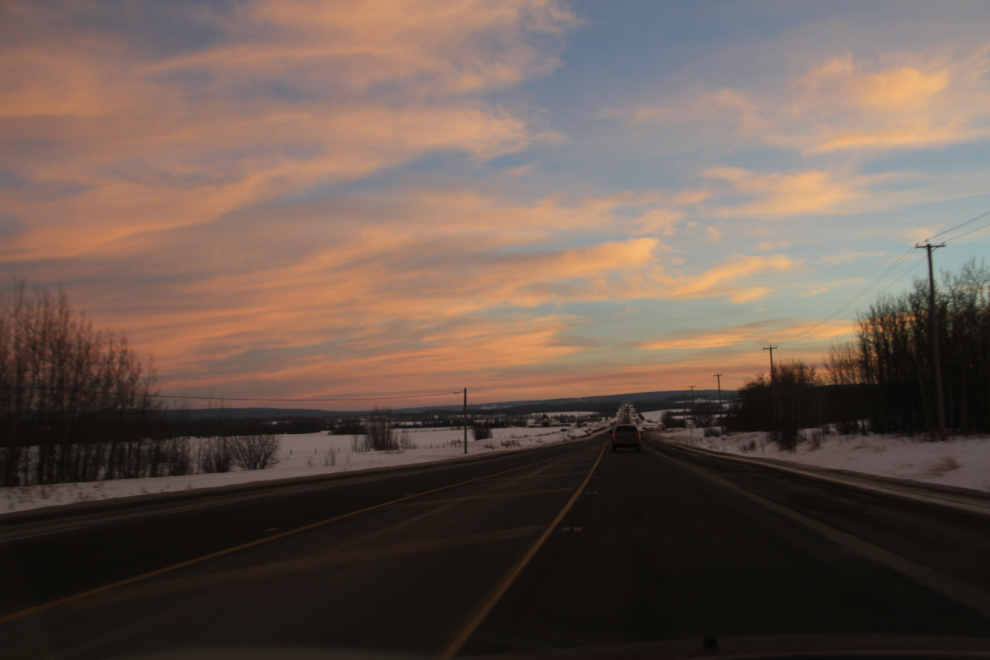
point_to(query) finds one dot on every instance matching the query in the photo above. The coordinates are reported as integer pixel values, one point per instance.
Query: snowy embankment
(962, 461)
(299, 456)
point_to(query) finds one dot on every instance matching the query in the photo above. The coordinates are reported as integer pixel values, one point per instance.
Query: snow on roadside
(299, 456)
(962, 461)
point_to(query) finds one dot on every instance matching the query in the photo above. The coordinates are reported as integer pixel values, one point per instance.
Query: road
(569, 546)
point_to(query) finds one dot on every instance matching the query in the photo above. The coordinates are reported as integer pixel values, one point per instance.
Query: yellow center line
(544, 475)
(279, 568)
(468, 627)
(13, 616)
(492, 496)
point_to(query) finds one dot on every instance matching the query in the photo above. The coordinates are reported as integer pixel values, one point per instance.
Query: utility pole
(719, 380)
(692, 405)
(773, 402)
(465, 420)
(939, 405)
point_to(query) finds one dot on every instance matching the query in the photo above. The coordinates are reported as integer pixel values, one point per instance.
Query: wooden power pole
(465, 420)
(693, 420)
(773, 402)
(719, 380)
(936, 358)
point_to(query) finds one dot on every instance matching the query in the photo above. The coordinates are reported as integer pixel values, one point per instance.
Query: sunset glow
(527, 198)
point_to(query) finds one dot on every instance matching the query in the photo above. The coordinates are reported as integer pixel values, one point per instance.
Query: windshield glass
(494, 327)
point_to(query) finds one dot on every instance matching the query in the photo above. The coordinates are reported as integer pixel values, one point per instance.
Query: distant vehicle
(627, 435)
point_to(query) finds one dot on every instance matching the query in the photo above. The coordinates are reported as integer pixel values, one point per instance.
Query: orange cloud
(754, 333)
(812, 191)
(894, 89)
(898, 87)
(727, 279)
(283, 102)
(896, 100)
(918, 102)
(391, 290)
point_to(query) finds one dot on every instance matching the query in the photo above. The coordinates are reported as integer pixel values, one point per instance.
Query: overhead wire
(319, 400)
(956, 238)
(857, 297)
(831, 316)
(254, 399)
(951, 229)
(872, 284)
(917, 263)
(862, 293)
(876, 281)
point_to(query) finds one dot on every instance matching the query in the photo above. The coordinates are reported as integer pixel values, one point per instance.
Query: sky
(278, 199)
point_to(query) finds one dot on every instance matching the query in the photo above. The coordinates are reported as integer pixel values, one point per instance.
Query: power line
(875, 282)
(747, 366)
(856, 309)
(956, 238)
(982, 215)
(893, 266)
(229, 398)
(916, 264)
(360, 398)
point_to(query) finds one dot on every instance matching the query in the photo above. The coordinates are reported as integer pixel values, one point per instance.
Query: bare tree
(256, 452)
(380, 434)
(75, 404)
(798, 394)
(216, 454)
(704, 413)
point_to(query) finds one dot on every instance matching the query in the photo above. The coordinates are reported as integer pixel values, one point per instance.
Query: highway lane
(951, 540)
(400, 577)
(651, 549)
(47, 559)
(665, 552)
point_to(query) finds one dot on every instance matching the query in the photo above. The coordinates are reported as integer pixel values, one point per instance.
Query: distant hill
(600, 403)
(250, 413)
(604, 404)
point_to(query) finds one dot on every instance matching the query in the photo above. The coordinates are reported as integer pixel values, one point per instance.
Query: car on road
(627, 435)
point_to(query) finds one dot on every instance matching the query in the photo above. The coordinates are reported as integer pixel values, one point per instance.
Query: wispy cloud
(894, 100)
(808, 192)
(905, 101)
(751, 334)
(318, 197)
(289, 96)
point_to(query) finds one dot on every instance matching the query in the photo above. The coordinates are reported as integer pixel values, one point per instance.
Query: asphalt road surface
(570, 546)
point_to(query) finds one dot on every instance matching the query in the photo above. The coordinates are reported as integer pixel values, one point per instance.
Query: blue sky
(528, 199)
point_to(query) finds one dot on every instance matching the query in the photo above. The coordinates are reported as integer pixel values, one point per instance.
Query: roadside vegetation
(77, 404)
(884, 380)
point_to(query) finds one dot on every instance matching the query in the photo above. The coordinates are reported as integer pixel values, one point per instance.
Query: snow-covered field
(300, 455)
(962, 461)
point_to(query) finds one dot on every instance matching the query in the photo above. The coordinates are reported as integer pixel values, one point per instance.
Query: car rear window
(627, 428)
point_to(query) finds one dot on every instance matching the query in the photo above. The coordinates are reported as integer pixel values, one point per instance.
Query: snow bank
(962, 461)
(299, 456)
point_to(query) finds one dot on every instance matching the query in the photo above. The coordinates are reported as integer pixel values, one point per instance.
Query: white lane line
(973, 597)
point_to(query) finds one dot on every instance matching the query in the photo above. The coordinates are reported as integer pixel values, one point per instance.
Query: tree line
(77, 404)
(884, 380)
(78, 397)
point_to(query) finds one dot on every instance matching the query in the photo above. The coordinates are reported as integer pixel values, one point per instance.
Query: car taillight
(613, 436)
(640, 436)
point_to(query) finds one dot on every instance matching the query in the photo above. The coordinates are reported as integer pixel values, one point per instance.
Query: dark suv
(627, 435)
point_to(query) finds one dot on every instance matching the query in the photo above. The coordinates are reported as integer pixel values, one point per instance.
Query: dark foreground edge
(798, 647)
